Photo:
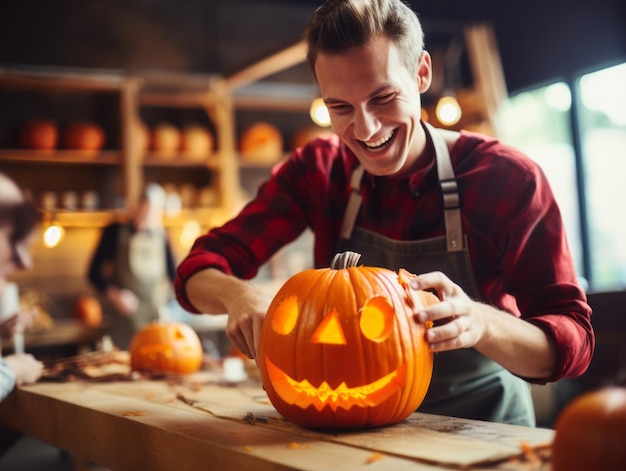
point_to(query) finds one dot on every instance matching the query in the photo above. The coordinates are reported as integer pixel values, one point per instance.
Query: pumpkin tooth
(304, 394)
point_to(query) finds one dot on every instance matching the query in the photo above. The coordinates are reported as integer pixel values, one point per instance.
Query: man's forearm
(519, 346)
(210, 290)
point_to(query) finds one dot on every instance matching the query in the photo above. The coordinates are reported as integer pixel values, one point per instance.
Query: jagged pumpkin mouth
(303, 394)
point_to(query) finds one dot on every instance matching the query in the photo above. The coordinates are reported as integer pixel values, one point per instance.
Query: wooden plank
(487, 70)
(282, 60)
(125, 433)
(427, 438)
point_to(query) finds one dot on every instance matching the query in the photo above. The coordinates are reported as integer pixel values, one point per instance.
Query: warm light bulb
(189, 234)
(319, 113)
(53, 235)
(448, 110)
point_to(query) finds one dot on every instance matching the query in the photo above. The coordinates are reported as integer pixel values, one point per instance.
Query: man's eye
(339, 108)
(382, 99)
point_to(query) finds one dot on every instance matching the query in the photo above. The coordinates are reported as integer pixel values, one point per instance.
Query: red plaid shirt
(516, 237)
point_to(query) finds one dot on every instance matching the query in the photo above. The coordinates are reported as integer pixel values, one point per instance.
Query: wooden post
(486, 65)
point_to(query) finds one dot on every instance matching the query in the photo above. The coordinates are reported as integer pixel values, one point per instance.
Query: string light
(448, 110)
(191, 231)
(319, 113)
(53, 235)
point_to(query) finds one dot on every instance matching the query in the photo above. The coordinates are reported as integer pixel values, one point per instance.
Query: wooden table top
(200, 422)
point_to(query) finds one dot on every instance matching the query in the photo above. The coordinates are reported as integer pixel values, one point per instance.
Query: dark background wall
(539, 40)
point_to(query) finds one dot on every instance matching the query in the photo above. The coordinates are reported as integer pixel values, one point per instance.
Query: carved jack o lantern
(339, 348)
(167, 347)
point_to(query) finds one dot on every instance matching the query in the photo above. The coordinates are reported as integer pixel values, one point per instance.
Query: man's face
(374, 104)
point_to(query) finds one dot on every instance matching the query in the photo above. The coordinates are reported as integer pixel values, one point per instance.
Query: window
(602, 115)
(588, 176)
(537, 123)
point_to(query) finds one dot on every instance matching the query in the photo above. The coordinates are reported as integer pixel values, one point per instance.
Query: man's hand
(457, 319)
(245, 317)
(214, 292)
(460, 322)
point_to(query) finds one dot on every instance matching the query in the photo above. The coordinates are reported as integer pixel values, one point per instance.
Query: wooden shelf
(86, 218)
(128, 167)
(179, 160)
(72, 80)
(215, 215)
(61, 156)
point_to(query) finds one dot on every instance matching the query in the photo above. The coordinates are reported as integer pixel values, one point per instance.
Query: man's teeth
(379, 142)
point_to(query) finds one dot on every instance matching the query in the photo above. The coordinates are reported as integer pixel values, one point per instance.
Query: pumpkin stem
(345, 260)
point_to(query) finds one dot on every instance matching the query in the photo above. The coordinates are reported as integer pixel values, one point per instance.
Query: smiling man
(475, 219)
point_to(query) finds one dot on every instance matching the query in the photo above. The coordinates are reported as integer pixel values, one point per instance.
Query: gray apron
(140, 267)
(465, 383)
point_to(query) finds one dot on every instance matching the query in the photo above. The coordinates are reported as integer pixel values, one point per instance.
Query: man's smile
(378, 144)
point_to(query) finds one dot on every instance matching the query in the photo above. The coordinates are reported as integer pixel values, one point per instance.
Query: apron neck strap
(449, 190)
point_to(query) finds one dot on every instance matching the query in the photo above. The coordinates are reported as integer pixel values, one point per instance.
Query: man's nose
(366, 124)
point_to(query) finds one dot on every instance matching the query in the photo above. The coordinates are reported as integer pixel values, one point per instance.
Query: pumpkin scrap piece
(293, 445)
(374, 457)
(133, 413)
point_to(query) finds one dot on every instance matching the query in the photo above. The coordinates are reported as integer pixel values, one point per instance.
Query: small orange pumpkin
(39, 134)
(339, 348)
(196, 142)
(86, 136)
(261, 143)
(591, 432)
(88, 310)
(166, 347)
(165, 139)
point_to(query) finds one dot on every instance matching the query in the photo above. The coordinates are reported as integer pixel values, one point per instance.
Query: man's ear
(424, 72)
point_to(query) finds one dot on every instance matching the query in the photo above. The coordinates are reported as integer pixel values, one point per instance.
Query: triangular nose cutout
(329, 331)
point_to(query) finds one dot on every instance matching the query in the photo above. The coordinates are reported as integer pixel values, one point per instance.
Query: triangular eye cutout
(329, 331)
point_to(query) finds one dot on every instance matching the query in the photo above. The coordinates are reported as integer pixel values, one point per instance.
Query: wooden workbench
(202, 423)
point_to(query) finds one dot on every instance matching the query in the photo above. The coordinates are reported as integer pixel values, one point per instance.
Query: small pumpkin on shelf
(39, 134)
(339, 348)
(166, 347)
(197, 142)
(261, 143)
(85, 136)
(165, 139)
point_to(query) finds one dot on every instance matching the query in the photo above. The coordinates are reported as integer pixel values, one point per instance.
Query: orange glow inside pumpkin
(376, 323)
(329, 331)
(169, 347)
(303, 394)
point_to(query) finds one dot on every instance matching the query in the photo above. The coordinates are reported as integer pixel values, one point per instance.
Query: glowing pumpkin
(339, 348)
(591, 432)
(168, 347)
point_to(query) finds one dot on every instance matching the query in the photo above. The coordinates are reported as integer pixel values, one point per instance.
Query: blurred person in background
(18, 219)
(133, 268)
